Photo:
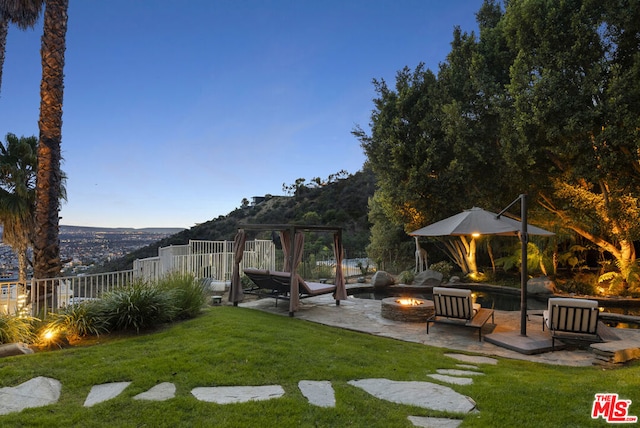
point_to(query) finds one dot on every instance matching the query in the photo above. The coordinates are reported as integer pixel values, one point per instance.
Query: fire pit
(406, 309)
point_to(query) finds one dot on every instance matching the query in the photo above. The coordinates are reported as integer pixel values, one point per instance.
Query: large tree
(47, 263)
(23, 13)
(575, 91)
(434, 139)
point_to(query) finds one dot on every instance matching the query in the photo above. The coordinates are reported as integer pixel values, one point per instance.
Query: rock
(382, 279)
(428, 277)
(454, 279)
(541, 285)
(11, 349)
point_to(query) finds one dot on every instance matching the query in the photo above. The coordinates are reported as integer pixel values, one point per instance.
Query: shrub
(79, 320)
(581, 283)
(188, 293)
(443, 267)
(406, 277)
(15, 328)
(138, 306)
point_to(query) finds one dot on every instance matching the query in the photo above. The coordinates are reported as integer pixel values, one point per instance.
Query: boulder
(382, 279)
(541, 285)
(10, 349)
(428, 277)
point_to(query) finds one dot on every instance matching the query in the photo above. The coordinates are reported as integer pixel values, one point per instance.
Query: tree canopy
(544, 101)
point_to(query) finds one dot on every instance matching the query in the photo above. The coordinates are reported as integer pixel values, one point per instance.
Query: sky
(176, 110)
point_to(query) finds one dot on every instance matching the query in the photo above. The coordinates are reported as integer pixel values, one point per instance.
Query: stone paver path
(42, 391)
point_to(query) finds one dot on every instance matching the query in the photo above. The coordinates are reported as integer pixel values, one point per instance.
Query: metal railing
(210, 261)
(40, 296)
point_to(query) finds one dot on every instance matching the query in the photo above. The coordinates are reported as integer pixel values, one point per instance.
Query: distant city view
(84, 247)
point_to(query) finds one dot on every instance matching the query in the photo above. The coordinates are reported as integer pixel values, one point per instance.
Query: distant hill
(342, 203)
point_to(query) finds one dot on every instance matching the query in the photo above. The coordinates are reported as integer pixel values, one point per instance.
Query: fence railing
(40, 296)
(205, 260)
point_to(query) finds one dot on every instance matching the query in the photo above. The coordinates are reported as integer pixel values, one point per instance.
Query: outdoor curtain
(341, 290)
(235, 294)
(285, 237)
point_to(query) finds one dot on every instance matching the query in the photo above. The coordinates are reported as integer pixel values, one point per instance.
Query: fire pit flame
(409, 302)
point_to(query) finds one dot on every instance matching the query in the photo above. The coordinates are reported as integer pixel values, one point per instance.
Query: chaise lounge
(277, 284)
(455, 306)
(568, 318)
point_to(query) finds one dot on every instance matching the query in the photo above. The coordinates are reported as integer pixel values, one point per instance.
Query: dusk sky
(176, 110)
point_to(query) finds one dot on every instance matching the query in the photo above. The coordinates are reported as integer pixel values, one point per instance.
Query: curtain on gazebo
(235, 294)
(341, 290)
(298, 247)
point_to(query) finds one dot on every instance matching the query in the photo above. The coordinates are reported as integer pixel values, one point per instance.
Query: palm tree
(17, 199)
(18, 162)
(49, 178)
(23, 13)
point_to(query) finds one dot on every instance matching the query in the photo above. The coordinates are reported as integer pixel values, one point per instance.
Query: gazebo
(292, 238)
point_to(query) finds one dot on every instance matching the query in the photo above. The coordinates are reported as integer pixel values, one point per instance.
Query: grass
(229, 346)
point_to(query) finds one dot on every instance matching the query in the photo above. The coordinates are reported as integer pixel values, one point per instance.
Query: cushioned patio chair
(455, 306)
(575, 319)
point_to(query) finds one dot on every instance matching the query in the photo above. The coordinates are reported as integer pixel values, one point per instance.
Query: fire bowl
(416, 310)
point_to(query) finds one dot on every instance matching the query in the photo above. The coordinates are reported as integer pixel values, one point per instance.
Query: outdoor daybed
(455, 306)
(277, 284)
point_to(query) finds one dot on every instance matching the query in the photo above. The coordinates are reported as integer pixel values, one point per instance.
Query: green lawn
(229, 346)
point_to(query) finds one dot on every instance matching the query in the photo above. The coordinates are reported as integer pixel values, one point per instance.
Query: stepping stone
(160, 392)
(454, 372)
(452, 379)
(426, 422)
(104, 392)
(423, 394)
(237, 394)
(319, 393)
(475, 359)
(37, 392)
(467, 366)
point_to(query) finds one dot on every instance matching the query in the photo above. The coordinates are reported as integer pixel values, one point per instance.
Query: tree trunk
(4, 29)
(48, 180)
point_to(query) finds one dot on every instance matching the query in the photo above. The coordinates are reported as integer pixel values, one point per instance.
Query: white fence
(210, 261)
(39, 297)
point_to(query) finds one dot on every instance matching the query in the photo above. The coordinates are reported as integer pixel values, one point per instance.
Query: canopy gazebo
(292, 238)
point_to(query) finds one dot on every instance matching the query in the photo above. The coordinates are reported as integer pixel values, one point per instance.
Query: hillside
(342, 203)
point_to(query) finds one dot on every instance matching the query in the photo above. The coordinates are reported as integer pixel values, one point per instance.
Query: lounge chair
(277, 284)
(575, 319)
(455, 306)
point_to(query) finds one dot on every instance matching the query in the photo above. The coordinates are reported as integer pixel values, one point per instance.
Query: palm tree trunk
(49, 177)
(4, 29)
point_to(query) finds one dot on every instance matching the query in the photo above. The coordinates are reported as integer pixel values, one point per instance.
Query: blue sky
(174, 110)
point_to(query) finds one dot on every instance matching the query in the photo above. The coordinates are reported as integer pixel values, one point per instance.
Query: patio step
(617, 351)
